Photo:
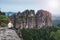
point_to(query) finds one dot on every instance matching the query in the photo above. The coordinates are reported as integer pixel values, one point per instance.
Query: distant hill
(55, 17)
(9, 13)
(56, 21)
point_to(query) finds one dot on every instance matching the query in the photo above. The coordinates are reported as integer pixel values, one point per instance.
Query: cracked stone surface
(8, 34)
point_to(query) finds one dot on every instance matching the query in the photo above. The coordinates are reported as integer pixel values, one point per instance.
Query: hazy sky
(52, 6)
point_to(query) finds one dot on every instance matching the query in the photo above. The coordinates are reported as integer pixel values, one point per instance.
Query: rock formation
(28, 19)
(43, 18)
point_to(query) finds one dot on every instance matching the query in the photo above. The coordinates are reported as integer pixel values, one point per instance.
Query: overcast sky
(52, 6)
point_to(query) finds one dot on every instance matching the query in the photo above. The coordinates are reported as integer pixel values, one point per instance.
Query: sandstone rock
(28, 19)
(8, 34)
(43, 18)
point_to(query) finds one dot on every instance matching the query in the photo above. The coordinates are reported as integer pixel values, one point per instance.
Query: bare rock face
(8, 34)
(43, 18)
(28, 19)
(31, 19)
(18, 20)
(25, 18)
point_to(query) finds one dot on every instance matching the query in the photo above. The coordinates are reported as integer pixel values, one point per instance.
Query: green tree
(3, 20)
(55, 35)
